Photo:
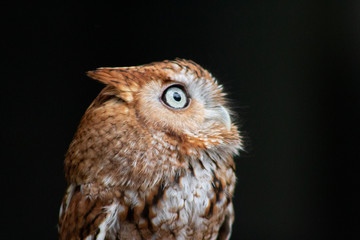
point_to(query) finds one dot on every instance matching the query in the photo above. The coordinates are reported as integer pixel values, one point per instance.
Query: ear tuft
(123, 79)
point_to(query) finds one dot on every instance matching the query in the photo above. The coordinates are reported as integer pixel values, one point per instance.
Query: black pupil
(177, 97)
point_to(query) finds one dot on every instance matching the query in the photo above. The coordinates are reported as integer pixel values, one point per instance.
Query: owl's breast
(194, 205)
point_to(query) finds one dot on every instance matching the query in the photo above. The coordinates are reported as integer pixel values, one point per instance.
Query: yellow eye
(175, 97)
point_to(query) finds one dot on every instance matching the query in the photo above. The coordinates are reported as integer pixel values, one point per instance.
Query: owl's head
(178, 97)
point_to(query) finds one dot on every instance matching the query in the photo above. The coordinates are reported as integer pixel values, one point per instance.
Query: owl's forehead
(186, 72)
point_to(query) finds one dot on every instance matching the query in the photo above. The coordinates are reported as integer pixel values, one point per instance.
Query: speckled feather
(137, 169)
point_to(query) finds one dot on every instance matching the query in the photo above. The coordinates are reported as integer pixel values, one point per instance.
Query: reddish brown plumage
(137, 168)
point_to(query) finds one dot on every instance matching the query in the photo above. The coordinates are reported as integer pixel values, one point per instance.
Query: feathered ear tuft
(123, 79)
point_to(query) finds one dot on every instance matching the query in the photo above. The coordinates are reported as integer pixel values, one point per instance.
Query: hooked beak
(219, 114)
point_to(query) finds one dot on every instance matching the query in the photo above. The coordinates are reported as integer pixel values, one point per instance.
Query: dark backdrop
(292, 70)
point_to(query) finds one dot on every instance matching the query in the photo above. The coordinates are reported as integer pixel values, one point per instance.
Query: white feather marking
(110, 221)
(90, 237)
(69, 192)
(108, 181)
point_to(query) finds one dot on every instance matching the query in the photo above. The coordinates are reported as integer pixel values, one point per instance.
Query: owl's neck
(122, 153)
(163, 161)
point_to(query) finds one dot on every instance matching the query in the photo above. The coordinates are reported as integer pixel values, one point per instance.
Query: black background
(291, 68)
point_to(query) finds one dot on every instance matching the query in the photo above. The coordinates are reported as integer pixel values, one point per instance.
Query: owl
(152, 157)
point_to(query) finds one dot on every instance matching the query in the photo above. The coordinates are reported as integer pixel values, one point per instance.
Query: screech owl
(152, 157)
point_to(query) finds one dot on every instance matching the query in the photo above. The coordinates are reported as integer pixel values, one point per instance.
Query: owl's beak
(219, 114)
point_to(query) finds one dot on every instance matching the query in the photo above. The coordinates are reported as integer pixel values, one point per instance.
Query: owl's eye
(175, 97)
